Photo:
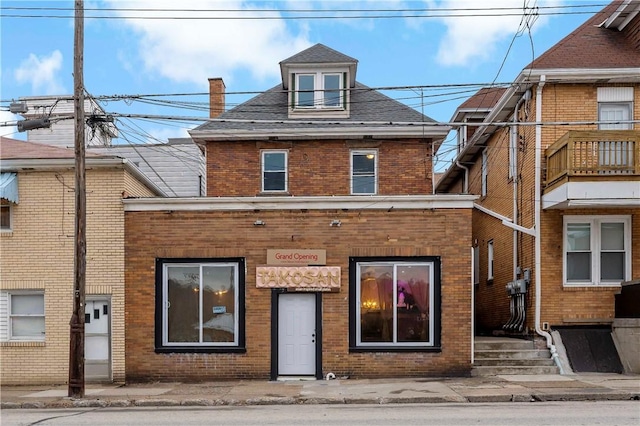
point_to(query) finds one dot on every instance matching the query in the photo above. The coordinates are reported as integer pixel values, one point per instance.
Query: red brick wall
(319, 167)
(443, 233)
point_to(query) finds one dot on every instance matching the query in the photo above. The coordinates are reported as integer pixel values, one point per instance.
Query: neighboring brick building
(320, 247)
(37, 245)
(564, 179)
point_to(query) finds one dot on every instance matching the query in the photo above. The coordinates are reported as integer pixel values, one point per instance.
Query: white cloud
(193, 50)
(41, 73)
(476, 37)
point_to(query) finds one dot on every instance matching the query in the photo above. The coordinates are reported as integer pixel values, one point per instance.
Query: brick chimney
(216, 97)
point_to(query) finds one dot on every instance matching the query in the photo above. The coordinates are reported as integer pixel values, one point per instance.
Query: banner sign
(299, 278)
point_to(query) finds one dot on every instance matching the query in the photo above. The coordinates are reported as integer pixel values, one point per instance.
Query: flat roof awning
(9, 187)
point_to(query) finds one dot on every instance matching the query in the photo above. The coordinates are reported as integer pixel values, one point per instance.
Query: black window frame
(353, 299)
(160, 347)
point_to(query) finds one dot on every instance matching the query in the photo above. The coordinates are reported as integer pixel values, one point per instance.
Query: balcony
(596, 168)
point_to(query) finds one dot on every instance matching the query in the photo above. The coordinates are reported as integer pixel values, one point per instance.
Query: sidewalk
(506, 388)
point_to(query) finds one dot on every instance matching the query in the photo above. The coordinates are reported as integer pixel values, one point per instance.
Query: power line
(312, 14)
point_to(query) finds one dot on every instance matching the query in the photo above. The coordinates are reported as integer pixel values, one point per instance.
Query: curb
(202, 402)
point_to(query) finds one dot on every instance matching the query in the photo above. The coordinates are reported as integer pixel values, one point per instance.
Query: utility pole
(76, 342)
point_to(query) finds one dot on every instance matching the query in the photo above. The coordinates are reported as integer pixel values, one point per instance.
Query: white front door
(97, 340)
(297, 334)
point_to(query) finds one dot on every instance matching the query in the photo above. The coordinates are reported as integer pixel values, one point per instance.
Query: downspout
(465, 188)
(514, 171)
(538, 196)
(473, 312)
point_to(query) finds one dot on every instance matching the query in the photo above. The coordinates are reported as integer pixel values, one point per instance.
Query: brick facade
(214, 234)
(319, 167)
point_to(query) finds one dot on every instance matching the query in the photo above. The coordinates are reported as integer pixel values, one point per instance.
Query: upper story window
(274, 171)
(597, 250)
(485, 172)
(23, 317)
(615, 105)
(615, 110)
(490, 260)
(201, 305)
(319, 90)
(364, 172)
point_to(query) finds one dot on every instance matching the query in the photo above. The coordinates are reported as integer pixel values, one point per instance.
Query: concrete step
(512, 354)
(535, 362)
(505, 355)
(503, 343)
(496, 371)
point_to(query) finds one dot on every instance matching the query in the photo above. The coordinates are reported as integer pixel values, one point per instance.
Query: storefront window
(394, 303)
(201, 305)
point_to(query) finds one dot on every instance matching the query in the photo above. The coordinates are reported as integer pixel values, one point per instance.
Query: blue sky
(434, 45)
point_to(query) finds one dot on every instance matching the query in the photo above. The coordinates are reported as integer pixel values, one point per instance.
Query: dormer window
(319, 90)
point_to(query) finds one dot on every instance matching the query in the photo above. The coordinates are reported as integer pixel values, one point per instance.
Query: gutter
(57, 164)
(322, 130)
(375, 202)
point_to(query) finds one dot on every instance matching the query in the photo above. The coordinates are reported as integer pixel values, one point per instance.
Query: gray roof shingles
(367, 105)
(318, 54)
(270, 109)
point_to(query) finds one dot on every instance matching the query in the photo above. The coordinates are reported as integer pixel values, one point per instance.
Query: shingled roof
(592, 46)
(319, 54)
(14, 149)
(268, 112)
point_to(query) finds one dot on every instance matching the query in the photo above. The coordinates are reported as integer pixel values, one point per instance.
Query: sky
(430, 54)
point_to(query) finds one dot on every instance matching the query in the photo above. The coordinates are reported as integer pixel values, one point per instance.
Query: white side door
(297, 334)
(97, 340)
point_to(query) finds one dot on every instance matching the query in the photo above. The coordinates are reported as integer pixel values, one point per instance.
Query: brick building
(319, 248)
(555, 161)
(37, 245)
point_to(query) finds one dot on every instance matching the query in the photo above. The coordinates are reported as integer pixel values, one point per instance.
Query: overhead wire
(294, 14)
(204, 106)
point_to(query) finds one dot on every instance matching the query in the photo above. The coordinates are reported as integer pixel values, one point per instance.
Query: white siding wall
(175, 167)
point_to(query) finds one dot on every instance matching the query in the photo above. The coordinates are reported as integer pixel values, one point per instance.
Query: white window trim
(615, 95)
(490, 258)
(318, 90)
(286, 169)
(373, 152)
(165, 306)
(431, 319)
(603, 125)
(9, 333)
(594, 222)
